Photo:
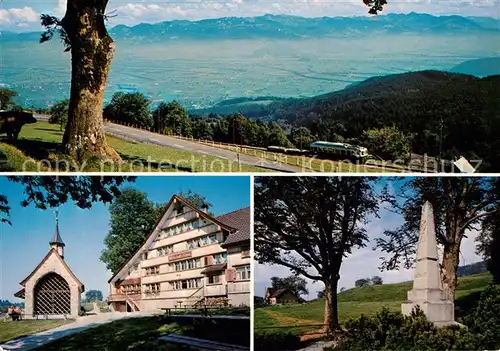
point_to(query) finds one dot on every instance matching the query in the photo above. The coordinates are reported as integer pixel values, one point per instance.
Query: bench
(201, 344)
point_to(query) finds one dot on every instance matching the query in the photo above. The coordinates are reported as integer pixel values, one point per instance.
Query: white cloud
(60, 10)
(132, 12)
(16, 17)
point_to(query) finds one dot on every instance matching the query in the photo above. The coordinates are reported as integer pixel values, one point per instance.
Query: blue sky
(22, 15)
(83, 231)
(364, 262)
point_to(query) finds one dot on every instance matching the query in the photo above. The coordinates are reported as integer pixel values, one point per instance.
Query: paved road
(80, 324)
(143, 136)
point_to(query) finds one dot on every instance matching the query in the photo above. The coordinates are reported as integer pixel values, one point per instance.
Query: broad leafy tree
(133, 108)
(377, 280)
(362, 282)
(388, 142)
(294, 283)
(48, 192)
(199, 201)
(301, 137)
(133, 218)
(93, 295)
(84, 34)
(310, 224)
(172, 117)
(460, 204)
(59, 113)
(489, 245)
(6, 96)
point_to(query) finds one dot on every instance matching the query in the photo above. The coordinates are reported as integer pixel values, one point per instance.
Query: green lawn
(142, 334)
(125, 334)
(11, 330)
(365, 300)
(40, 141)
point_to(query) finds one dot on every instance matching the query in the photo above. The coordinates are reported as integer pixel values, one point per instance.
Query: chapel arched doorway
(52, 296)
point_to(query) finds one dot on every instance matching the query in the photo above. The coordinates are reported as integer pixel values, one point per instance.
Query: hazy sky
(83, 231)
(364, 262)
(23, 15)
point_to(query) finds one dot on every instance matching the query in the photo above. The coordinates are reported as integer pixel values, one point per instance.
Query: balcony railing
(238, 287)
(215, 290)
(123, 297)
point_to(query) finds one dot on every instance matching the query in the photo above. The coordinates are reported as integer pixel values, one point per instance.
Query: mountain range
(293, 27)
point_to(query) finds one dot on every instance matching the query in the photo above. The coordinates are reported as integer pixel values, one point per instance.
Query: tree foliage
(59, 113)
(460, 204)
(489, 245)
(375, 280)
(133, 218)
(133, 108)
(388, 142)
(48, 192)
(294, 283)
(172, 118)
(198, 200)
(93, 295)
(6, 98)
(310, 224)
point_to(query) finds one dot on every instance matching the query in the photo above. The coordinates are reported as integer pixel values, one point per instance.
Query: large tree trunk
(331, 319)
(92, 51)
(451, 254)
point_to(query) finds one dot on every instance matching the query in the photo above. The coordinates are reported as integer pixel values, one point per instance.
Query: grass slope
(40, 141)
(366, 300)
(126, 334)
(11, 330)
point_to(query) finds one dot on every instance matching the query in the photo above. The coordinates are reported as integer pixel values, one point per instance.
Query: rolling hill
(291, 27)
(480, 67)
(366, 300)
(456, 114)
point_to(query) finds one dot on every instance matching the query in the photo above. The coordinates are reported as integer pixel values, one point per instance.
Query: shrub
(393, 331)
(485, 319)
(276, 340)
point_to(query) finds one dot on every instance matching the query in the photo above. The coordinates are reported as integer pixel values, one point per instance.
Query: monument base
(441, 313)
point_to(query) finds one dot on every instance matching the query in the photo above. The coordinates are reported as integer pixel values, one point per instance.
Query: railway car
(339, 150)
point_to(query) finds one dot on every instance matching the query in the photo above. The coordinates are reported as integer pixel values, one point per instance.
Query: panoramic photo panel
(250, 86)
(125, 263)
(376, 263)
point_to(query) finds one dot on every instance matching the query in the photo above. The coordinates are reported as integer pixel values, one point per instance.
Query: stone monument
(427, 289)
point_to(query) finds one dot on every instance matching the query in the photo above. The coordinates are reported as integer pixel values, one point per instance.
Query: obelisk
(427, 289)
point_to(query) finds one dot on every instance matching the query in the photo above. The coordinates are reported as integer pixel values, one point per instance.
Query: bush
(276, 340)
(394, 331)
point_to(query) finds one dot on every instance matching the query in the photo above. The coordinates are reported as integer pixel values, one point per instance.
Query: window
(152, 289)
(186, 284)
(153, 270)
(220, 258)
(186, 264)
(214, 279)
(243, 273)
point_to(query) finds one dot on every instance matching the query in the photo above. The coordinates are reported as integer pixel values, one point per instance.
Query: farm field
(238, 68)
